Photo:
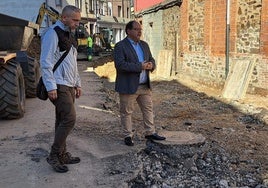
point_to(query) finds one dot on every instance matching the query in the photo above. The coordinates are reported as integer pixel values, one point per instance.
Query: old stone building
(196, 40)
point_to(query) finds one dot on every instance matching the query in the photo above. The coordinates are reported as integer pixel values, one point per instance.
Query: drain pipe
(227, 38)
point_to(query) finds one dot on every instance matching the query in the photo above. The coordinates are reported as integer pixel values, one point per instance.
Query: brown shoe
(53, 160)
(67, 158)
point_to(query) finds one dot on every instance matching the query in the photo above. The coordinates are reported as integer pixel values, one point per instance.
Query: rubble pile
(206, 165)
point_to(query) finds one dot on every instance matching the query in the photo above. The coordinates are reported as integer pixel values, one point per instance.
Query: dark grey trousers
(65, 117)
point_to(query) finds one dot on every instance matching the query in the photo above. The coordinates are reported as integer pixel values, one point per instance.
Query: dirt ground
(240, 127)
(105, 160)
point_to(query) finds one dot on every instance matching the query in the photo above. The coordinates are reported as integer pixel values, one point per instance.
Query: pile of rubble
(206, 165)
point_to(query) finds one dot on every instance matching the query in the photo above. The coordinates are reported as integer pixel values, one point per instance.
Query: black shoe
(129, 141)
(67, 158)
(155, 136)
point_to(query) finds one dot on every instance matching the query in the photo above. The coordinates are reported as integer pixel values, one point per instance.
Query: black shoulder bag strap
(61, 59)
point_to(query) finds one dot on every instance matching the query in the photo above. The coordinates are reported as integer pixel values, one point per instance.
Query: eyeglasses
(137, 29)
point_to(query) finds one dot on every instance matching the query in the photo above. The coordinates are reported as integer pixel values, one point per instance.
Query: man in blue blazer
(133, 62)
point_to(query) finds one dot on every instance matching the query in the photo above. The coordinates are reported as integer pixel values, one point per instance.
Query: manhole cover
(181, 138)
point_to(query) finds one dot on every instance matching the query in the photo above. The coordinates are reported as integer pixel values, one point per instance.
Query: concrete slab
(238, 79)
(163, 65)
(181, 138)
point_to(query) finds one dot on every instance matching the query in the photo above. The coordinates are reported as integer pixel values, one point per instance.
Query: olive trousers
(143, 97)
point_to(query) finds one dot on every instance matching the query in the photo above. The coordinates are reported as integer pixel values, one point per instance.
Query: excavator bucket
(16, 34)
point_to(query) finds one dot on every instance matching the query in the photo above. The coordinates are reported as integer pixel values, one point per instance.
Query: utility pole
(227, 38)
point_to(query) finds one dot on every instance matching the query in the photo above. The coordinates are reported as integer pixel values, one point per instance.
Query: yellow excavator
(99, 44)
(81, 36)
(50, 12)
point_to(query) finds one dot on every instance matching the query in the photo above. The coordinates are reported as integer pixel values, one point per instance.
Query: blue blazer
(128, 67)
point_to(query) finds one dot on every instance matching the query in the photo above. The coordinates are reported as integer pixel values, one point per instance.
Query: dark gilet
(66, 39)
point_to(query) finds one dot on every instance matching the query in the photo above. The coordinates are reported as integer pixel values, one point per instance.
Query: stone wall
(172, 36)
(196, 25)
(248, 26)
(196, 33)
(203, 55)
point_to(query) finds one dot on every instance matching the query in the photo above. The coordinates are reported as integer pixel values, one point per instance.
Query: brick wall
(264, 30)
(263, 76)
(216, 26)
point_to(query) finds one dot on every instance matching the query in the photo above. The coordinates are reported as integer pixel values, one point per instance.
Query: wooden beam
(5, 58)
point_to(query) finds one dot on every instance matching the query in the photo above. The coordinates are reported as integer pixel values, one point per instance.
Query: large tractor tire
(32, 77)
(12, 91)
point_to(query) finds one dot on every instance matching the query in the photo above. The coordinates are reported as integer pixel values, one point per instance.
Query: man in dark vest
(63, 84)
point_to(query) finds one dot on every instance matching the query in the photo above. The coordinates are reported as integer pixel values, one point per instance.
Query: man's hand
(78, 92)
(52, 95)
(147, 65)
